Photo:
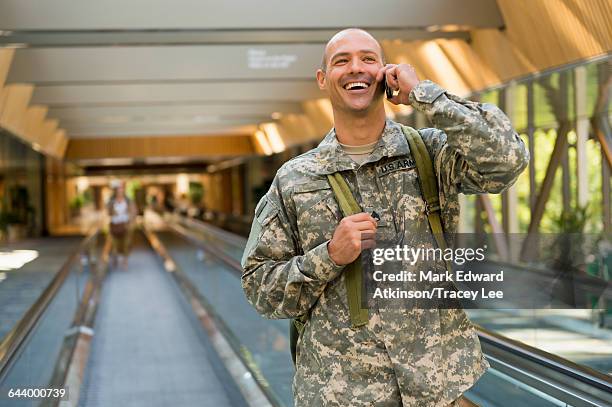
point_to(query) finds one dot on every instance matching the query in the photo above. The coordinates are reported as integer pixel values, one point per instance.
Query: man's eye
(370, 59)
(340, 61)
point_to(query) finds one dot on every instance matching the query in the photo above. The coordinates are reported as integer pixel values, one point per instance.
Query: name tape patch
(400, 164)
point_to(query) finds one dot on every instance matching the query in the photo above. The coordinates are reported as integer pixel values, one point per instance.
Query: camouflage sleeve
(476, 148)
(278, 281)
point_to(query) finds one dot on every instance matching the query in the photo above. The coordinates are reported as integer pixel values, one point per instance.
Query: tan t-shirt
(359, 153)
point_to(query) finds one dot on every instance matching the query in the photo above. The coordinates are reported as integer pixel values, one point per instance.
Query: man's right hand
(352, 235)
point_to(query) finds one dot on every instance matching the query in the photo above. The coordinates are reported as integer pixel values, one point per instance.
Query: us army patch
(400, 164)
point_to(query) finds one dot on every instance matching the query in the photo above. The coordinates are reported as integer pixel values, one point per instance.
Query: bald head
(349, 33)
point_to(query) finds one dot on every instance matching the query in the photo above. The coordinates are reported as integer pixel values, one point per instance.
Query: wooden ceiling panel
(476, 73)
(153, 146)
(545, 34)
(6, 57)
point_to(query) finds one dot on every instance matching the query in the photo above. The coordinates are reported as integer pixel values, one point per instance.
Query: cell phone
(388, 90)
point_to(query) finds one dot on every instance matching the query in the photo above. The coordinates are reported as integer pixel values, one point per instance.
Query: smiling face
(352, 60)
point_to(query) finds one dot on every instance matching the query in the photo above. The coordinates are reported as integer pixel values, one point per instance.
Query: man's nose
(355, 65)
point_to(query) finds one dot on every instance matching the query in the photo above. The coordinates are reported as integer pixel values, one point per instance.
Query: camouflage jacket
(422, 357)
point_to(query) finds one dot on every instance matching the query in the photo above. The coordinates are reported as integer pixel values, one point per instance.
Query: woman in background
(122, 212)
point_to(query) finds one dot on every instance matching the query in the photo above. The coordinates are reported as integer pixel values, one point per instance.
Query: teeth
(352, 85)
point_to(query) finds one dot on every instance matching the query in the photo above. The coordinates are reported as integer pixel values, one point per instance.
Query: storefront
(22, 172)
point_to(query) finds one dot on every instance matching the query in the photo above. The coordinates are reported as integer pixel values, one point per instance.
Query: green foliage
(81, 199)
(196, 192)
(520, 107)
(131, 187)
(572, 221)
(77, 202)
(490, 97)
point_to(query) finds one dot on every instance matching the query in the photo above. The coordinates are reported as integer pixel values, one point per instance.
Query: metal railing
(574, 384)
(17, 336)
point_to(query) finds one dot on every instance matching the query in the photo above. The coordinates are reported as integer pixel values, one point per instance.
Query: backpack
(349, 206)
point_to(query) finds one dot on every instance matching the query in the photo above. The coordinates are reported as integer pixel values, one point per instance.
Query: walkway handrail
(575, 384)
(217, 251)
(16, 337)
(228, 237)
(568, 381)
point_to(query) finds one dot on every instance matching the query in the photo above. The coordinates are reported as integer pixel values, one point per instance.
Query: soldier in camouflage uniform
(299, 243)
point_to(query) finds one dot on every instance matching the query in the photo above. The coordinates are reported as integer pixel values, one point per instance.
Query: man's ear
(321, 79)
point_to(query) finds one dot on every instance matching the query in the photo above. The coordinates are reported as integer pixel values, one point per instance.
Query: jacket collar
(332, 158)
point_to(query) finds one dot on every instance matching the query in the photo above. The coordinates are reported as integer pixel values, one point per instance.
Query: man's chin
(361, 106)
(358, 106)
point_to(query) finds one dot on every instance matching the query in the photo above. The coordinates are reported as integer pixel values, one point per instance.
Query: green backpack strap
(295, 329)
(428, 182)
(353, 273)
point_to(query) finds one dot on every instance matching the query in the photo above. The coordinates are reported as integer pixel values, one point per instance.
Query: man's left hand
(402, 78)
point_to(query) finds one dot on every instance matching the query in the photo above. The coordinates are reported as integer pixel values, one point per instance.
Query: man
(299, 243)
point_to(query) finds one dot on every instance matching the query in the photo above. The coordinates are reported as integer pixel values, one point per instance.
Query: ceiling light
(454, 28)
(263, 143)
(223, 165)
(114, 161)
(274, 137)
(182, 184)
(82, 183)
